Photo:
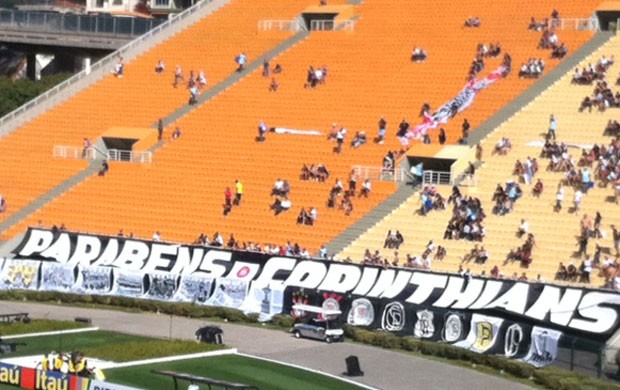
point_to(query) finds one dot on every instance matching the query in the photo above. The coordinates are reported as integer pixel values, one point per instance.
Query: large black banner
(517, 319)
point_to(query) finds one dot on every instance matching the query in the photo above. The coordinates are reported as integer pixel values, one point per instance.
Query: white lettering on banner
(513, 300)
(341, 278)
(389, 286)
(60, 249)
(38, 240)
(454, 296)
(560, 306)
(87, 249)
(426, 284)
(208, 265)
(110, 253)
(185, 264)
(589, 307)
(162, 258)
(271, 267)
(369, 275)
(133, 255)
(307, 274)
(580, 309)
(491, 289)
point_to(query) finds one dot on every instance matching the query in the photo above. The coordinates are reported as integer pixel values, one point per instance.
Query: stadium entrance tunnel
(431, 170)
(124, 142)
(326, 18)
(608, 15)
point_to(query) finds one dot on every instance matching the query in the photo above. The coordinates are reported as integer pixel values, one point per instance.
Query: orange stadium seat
(370, 75)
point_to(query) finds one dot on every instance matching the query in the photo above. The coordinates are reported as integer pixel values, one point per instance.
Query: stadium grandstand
(254, 96)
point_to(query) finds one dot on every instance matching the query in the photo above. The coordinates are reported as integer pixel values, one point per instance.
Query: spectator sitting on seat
(217, 240)
(176, 134)
(273, 86)
(561, 273)
(503, 146)
(178, 76)
(612, 128)
(382, 131)
(472, 21)
(241, 61)
(418, 55)
(277, 69)
(359, 139)
(304, 217)
(538, 188)
(87, 148)
(366, 188)
(262, 130)
(104, 168)
(559, 51)
(3, 205)
(523, 229)
(536, 26)
(340, 139)
(160, 67)
(201, 79)
(280, 206)
(586, 104)
(119, 68)
(388, 162)
(193, 95)
(533, 68)
(280, 188)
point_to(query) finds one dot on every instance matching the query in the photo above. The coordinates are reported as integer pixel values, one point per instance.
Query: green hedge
(177, 309)
(548, 377)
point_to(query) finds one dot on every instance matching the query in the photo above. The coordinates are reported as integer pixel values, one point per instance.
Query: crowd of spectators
(602, 97)
(418, 55)
(505, 197)
(315, 76)
(316, 172)
(467, 218)
(472, 21)
(533, 68)
(431, 199)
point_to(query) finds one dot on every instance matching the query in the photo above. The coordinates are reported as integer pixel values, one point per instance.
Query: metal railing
(63, 151)
(379, 173)
(436, 178)
(77, 152)
(50, 22)
(347, 25)
(130, 156)
(322, 25)
(279, 25)
(103, 65)
(575, 24)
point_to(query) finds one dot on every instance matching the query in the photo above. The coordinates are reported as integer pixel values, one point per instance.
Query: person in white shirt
(559, 198)
(366, 188)
(313, 214)
(156, 237)
(219, 240)
(305, 254)
(577, 200)
(587, 269)
(524, 228)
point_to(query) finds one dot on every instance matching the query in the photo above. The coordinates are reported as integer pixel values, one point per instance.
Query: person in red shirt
(228, 197)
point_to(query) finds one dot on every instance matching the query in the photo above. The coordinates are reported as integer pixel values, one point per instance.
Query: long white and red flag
(460, 103)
